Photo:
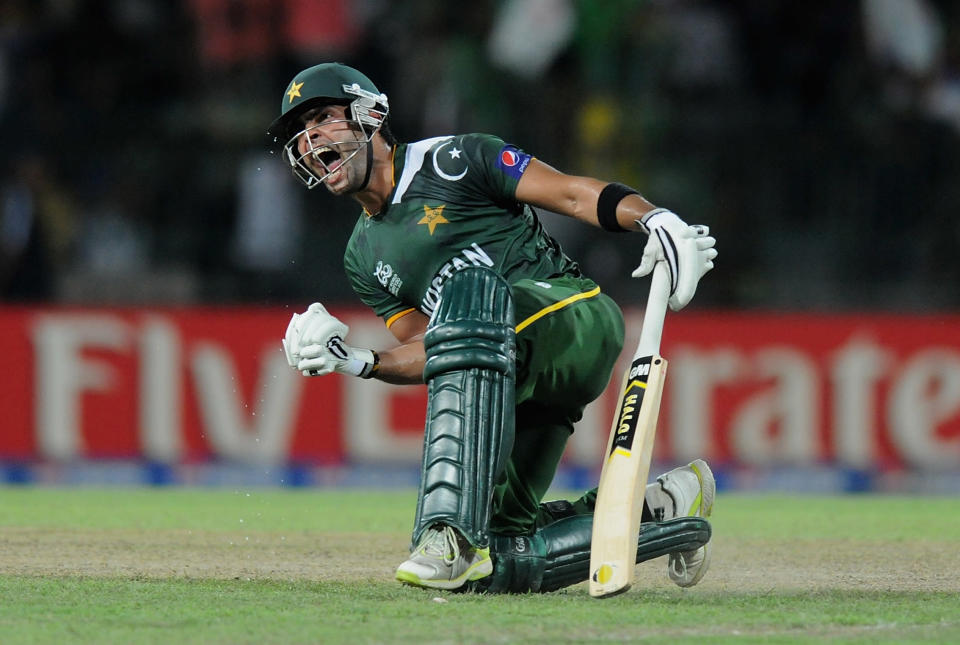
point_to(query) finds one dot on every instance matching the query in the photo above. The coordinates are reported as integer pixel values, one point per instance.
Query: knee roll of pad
(470, 375)
(467, 344)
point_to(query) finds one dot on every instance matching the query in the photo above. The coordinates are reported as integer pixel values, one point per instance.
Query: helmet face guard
(367, 113)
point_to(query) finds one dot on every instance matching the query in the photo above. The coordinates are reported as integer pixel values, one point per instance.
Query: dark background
(819, 140)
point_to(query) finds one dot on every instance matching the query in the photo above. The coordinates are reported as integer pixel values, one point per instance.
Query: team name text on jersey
(473, 255)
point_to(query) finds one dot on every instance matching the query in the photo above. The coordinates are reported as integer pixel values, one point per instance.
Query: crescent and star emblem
(454, 154)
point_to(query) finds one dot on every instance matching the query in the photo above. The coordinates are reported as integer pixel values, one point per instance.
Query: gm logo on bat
(643, 369)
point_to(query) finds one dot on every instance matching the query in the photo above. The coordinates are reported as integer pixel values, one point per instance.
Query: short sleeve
(502, 164)
(365, 286)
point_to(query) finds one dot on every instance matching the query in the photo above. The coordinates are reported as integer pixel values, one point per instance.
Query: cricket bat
(626, 465)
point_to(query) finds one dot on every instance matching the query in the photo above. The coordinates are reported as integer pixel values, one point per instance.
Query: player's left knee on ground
(558, 555)
(470, 376)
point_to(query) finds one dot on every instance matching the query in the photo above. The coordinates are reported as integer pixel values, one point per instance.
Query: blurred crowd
(820, 140)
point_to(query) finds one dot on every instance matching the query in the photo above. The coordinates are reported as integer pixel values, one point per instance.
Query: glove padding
(687, 251)
(291, 340)
(314, 344)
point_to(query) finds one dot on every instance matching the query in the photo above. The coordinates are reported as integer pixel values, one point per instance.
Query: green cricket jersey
(453, 205)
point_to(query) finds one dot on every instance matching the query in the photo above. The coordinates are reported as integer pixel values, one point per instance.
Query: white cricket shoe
(684, 492)
(444, 560)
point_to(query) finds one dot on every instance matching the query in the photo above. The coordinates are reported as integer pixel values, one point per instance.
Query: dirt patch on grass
(738, 565)
(165, 553)
(810, 565)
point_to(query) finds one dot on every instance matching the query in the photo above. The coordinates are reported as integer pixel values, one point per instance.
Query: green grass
(176, 611)
(142, 606)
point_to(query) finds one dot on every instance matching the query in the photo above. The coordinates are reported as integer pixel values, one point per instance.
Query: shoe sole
(702, 571)
(477, 571)
(708, 486)
(708, 492)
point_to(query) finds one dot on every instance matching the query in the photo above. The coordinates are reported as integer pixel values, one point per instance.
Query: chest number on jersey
(433, 217)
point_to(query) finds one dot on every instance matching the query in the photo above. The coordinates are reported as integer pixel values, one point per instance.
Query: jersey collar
(396, 163)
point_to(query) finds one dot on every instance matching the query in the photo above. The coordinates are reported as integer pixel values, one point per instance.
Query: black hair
(387, 133)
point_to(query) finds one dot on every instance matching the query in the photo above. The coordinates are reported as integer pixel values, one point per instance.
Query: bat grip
(652, 329)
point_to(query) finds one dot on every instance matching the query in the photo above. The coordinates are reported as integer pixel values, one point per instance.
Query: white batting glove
(687, 251)
(291, 340)
(319, 348)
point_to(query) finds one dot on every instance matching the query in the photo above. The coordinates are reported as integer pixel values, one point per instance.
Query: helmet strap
(366, 176)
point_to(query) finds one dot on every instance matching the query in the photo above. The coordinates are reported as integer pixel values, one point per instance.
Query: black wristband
(607, 203)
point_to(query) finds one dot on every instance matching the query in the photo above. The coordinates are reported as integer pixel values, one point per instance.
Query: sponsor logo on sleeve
(512, 161)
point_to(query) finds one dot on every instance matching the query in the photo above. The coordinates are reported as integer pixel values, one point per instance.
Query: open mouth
(327, 156)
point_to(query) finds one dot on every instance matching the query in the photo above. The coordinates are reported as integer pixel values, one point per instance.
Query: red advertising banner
(860, 391)
(173, 385)
(184, 386)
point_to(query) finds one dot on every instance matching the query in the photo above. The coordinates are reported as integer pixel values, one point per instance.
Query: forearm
(403, 364)
(579, 197)
(584, 202)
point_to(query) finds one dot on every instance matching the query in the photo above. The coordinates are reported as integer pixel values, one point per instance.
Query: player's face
(326, 144)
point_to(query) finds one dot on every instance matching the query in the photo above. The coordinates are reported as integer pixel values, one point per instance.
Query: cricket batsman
(511, 339)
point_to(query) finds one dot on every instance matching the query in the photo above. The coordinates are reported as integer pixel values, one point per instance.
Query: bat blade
(623, 478)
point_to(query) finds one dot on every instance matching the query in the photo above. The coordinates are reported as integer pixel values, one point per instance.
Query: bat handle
(652, 329)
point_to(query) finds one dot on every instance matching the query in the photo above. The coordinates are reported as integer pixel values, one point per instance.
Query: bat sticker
(632, 399)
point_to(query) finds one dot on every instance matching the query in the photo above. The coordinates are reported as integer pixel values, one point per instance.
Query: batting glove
(687, 251)
(291, 340)
(315, 345)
